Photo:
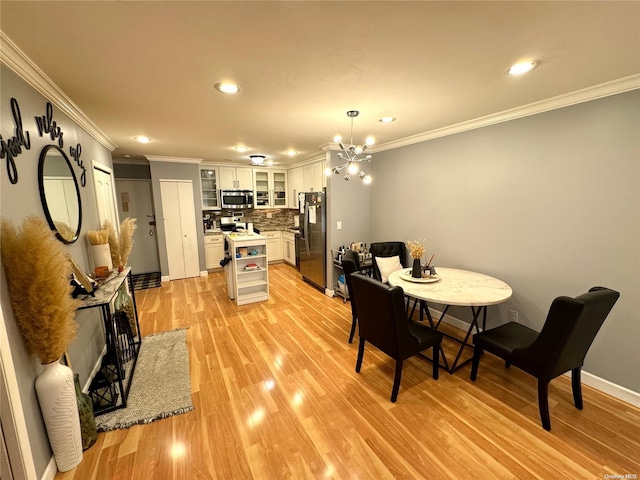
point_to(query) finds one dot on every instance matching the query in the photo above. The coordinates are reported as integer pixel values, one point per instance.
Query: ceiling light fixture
(291, 153)
(351, 155)
(520, 68)
(241, 148)
(387, 119)
(257, 159)
(142, 139)
(229, 88)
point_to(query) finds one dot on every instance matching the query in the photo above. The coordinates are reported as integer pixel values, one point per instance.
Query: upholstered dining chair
(351, 264)
(387, 250)
(567, 334)
(383, 323)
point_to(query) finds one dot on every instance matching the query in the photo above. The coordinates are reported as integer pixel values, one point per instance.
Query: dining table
(453, 287)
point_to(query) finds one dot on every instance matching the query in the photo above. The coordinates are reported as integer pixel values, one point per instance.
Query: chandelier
(352, 155)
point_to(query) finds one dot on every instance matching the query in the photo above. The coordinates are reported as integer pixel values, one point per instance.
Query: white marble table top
(456, 287)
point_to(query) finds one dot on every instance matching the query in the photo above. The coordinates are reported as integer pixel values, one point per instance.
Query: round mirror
(59, 193)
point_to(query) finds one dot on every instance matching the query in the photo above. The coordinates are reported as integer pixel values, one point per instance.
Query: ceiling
(149, 68)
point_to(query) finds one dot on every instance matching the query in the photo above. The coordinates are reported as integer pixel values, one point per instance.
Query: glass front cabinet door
(209, 186)
(270, 188)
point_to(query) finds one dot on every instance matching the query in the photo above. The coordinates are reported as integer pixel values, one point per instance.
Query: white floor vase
(57, 398)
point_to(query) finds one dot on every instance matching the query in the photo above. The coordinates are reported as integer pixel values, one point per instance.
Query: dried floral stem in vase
(122, 244)
(416, 249)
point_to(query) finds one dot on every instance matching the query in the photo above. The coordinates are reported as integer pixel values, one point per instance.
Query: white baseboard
(329, 293)
(604, 386)
(165, 278)
(204, 273)
(51, 470)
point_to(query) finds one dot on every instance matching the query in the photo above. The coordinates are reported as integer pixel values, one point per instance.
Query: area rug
(142, 281)
(161, 385)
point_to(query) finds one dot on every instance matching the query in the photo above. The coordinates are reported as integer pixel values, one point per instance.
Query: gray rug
(161, 384)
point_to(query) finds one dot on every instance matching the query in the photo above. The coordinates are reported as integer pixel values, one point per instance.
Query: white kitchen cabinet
(270, 188)
(236, 178)
(313, 177)
(213, 250)
(289, 247)
(296, 185)
(209, 188)
(274, 245)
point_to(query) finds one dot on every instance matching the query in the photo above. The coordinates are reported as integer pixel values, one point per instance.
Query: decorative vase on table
(102, 255)
(88, 429)
(416, 271)
(58, 404)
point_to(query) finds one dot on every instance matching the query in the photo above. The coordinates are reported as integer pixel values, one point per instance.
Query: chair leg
(396, 381)
(354, 321)
(475, 363)
(543, 404)
(436, 361)
(360, 354)
(577, 388)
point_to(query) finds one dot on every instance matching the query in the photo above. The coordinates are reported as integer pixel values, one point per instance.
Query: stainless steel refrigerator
(313, 238)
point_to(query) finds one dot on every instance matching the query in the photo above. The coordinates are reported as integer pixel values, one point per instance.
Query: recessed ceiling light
(520, 68)
(291, 153)
(142, 139)
(241, 148)
(269, 162)
(387, 119)
(229, 88)
(126, 155)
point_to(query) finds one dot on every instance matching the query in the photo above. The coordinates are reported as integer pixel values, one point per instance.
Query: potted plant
(37, 269)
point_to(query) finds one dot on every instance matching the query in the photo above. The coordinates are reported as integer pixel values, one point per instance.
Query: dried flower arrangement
(38, 270)
(416, 249)
(98, 237)
(122, 244)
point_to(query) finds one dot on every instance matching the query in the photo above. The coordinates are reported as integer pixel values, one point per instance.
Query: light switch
(339, 225)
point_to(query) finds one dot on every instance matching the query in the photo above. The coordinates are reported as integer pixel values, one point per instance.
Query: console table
(103, 296)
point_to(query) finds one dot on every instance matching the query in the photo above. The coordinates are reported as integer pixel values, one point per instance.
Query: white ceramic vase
(58, 404)
(102, 255)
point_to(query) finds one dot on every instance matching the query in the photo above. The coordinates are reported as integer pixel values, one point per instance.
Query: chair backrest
(381, 317)
(387, 249)
(569, 330)
(350, 266)
(353, 256)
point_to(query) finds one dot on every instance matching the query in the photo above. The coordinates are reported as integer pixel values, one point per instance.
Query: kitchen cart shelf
(247, 286)
(115, 360)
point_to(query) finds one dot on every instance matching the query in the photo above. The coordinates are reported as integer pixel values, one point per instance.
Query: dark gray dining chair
(383, 323)
(568, 332)
(351, 264)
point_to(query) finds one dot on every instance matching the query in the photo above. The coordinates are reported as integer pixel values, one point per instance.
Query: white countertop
(240, 237)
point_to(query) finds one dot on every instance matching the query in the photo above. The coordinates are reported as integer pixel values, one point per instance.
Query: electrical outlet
(339, 225)
(513, 316)
(269, 215)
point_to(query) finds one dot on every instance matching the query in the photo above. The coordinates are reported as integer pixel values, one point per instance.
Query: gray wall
(22, 199)
(549, 203)
(176, 171)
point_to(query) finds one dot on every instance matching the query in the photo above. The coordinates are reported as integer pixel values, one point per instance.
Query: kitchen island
(247, 273)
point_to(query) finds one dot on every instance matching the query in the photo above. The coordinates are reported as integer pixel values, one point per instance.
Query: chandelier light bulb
(367, 179)
(370, 141)
(337, 139)
(347, 177)
(353, 168)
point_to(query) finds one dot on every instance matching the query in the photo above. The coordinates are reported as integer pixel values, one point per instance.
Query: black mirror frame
(43, 197)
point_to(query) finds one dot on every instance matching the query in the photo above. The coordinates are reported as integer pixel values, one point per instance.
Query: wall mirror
(60, 193)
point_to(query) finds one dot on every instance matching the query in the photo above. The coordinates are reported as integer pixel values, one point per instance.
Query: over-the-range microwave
(236, 199)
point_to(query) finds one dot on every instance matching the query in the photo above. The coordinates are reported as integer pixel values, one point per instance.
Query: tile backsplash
(280, 217)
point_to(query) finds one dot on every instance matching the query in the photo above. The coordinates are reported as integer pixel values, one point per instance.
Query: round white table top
(456, 287)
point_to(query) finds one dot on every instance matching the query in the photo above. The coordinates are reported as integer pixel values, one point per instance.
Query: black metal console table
(103, 296)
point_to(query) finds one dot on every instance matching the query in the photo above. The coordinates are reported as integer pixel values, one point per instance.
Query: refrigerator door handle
(306, 227)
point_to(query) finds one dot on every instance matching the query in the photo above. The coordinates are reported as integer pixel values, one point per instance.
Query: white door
(180, 228)
(105, 196)
(135, 201)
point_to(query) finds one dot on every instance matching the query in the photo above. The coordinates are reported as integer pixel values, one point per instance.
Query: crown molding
(21, 65)
(613, 87)
(159, 158)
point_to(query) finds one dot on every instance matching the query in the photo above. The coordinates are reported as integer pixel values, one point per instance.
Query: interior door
(135, 200)
(180, 228)
(105, 196)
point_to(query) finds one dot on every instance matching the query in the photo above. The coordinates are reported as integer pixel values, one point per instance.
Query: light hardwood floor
(276, 396)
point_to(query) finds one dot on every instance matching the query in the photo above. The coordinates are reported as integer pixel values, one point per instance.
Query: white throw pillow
(388, 265)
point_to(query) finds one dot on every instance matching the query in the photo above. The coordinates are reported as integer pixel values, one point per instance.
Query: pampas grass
(98, 237)
(416, 249)
(122, 244)
(38, 270)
